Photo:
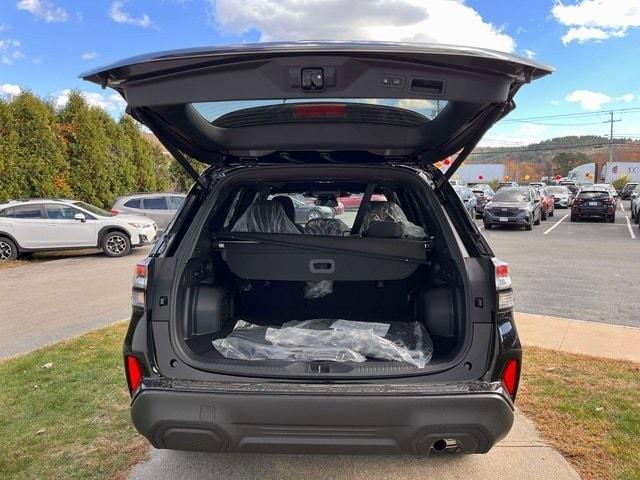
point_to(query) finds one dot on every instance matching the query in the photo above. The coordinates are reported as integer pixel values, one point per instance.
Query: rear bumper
(593, 211)
(339, 422)
(522, 218)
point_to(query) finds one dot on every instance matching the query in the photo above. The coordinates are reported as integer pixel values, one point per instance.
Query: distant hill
(592, 146)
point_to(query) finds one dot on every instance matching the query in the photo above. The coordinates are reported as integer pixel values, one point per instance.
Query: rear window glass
(590, 195)
(27, 211)
(512, 196)
(557, 190)
(155, 203)
(213, 110)
(133, 203)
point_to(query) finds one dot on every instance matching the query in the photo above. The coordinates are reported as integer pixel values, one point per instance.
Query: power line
(572, 115)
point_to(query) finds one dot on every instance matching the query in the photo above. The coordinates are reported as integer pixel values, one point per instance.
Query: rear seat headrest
(383, 229)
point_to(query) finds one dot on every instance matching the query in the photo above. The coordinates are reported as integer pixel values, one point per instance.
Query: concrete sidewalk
(577, 336)
(521, 455)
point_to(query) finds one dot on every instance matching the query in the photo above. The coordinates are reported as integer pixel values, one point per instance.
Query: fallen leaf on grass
(47, 365)
(41, 431)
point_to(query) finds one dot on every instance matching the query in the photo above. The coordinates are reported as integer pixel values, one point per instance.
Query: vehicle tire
(116, 244)
(313, 214)
(488, 226)
(611, 219)
(8, 250)
(529, 226)
(537, 222)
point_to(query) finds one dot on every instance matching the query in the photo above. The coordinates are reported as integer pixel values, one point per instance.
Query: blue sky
(593, 44)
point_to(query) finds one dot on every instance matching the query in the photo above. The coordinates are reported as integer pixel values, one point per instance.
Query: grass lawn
(70, 420)
(587, 408)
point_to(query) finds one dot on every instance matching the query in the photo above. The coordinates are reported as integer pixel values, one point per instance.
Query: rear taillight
(320, 110)
(510, 376)
(140, 275)
(609, 201)
(114, 212)
(134, 372)
(503, 278)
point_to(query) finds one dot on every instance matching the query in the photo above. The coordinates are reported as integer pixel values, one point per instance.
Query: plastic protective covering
(391, 211)
(265, 216)
(329, 339)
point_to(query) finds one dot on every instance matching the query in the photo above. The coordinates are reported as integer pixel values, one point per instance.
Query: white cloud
(438, 21)
(528, 53)
(9, 51)
(3, 27)
(596, 19)
(9, 89)
(118, 15)
(525, 134)
(555, 103)
(113, 103)
(584, 34)
(627, 97)
(89, 55)
(44, 9)
(587, 99)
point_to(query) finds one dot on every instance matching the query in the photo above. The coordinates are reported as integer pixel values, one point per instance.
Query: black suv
(387, 330)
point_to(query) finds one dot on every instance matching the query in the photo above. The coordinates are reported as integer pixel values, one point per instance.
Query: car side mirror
(80, 216)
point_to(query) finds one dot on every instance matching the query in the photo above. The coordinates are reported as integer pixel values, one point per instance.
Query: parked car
(635, 203)
(209, 363)
(547, 202)
(513, 206)
(353, 201)
(628, 189)
(484, 194)
(58, 224)
(159, 207)
(468, 199)
(506, 185)
(607, 186)
(561, 195)
(305, 208)
(537, 184)
(595, 202)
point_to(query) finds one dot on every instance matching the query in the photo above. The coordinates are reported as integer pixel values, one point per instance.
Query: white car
(54, 224)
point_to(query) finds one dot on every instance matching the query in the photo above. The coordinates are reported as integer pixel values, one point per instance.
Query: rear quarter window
(27, 211)
(6, 213)
(133, 203)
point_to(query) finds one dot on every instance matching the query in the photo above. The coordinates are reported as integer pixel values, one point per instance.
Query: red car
(352, 202)
(547, 203)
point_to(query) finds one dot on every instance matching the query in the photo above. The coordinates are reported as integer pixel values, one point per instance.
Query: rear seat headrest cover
(391, 212)
(265, 216)
(384, 229)
(287, 205)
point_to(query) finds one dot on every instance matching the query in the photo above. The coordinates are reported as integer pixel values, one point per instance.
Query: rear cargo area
(374, 291)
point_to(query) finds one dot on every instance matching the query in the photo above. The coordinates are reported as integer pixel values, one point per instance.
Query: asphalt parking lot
(585, 270)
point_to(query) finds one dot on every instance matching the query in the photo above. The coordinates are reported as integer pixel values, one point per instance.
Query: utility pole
(611, 121)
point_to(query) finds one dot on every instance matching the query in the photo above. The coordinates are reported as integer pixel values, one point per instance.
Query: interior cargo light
(134, 372)
(320, 110)
(510, 376)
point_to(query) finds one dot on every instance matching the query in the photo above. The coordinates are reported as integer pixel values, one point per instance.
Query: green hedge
(78, 151)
